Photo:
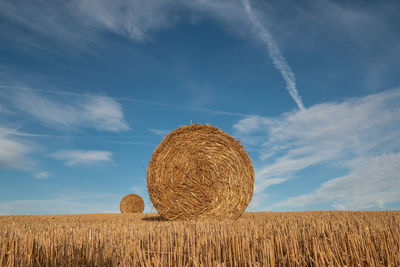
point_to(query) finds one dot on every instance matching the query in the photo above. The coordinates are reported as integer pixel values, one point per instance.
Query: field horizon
(308, 238)
(244, 213)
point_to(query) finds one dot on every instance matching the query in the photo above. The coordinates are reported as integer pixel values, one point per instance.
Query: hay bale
(199, 172)
(131, 203)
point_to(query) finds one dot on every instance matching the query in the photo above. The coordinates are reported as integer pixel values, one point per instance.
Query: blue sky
(89, 88)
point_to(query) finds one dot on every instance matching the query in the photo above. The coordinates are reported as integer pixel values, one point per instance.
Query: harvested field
(255, 239)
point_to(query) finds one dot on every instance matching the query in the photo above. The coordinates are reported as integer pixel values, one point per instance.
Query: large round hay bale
(199, 171)
(131, 203)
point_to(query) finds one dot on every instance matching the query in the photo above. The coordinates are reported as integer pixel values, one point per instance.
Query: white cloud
(132, 18)
(42, 175)
(79, 24)
(275, 53)
(78, 157)
(98, 112)
(331, 133)
(160, 132)
(42, 25)
(138, 18)
(370, 183)
(104, 113)
(14, 152)
(126, 99)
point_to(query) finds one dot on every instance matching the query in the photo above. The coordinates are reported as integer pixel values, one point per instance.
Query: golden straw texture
(199, 172)
(131, 203)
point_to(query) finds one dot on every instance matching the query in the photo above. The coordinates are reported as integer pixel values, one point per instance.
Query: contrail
(276, 55)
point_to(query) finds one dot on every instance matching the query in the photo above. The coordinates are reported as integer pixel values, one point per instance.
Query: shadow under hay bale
(199, 172)
(154, 219)
(131, 203)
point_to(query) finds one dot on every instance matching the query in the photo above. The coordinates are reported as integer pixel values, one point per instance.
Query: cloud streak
(130, 99)
(14, 152)
(361, 130)
(82, 157)
(276, 55)
(371, 183)
(42, 175)
(138, 20)
(96, 112)
(133, 18)
(160, 132)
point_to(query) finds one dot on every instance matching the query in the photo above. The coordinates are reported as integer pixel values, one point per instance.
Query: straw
(131, 203)
(199, 172)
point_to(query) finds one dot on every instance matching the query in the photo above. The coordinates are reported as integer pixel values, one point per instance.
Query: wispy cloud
(160, 132)
(14, 152)
(371, 183)
(78, 157)
(80, 23)
(129, 99)
(139, 19)
(42, 175)
(133, 18)
(97, 112)
(356, 129)
(136, 18)
(45, 25)
(275, 53)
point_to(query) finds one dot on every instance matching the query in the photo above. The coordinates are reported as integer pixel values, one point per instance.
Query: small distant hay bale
(131, 203)
(200, 172)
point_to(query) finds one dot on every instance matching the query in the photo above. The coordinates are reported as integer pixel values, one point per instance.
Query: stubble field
(328, 238)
